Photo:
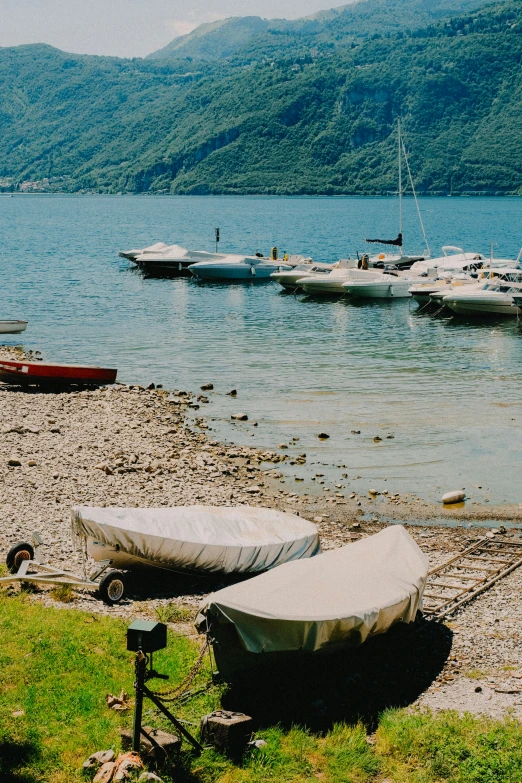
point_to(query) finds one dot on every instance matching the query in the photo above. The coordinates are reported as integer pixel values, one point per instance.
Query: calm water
(448, 390)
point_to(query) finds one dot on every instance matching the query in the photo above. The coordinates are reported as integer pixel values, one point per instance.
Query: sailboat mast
(400, 175)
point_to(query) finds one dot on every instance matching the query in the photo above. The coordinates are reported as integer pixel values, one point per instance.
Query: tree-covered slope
(313, 122)
(327, 30)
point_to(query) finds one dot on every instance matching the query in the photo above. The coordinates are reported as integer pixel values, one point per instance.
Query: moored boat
(12, 327)
(495, 297)
(41, 373)
(288, 277)
(235, 267)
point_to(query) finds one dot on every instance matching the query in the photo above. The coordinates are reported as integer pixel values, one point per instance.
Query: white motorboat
(423, 292)
(467, 285)
(288, 277)
(329, 282)
(203, 539)
(174, 259)
(12, 327)
(388, 285)
(494, 297)
(131, 255)
(235, 267)
(328, 603)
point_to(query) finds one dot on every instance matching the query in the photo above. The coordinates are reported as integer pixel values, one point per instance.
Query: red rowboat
(17, 372)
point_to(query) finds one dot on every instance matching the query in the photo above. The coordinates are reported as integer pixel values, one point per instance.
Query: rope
(176, 693)
(415, 197)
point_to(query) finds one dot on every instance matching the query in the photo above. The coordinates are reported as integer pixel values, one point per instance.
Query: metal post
(139, 685)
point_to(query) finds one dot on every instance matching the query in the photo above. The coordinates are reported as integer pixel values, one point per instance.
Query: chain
(176, 693)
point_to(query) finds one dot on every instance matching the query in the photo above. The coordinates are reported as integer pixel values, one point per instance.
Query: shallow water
(447, 389)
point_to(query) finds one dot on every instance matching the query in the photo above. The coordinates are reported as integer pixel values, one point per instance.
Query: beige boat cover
(241, 539)
(339, 597)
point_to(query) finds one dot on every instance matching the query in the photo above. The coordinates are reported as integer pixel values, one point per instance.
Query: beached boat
(330, 602)
(41, 373)
(199, 539)
(12, 327)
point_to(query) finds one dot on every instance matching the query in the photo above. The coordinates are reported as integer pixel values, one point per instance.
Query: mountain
(337, 27)
(291, 118)
(215, 40)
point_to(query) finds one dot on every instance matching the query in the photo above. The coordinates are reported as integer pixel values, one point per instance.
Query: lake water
(448, 390)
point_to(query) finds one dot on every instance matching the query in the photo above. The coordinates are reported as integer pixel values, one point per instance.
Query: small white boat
(288, 277)
(235, 267)
(158, 247)
(329, 282)
(327, 603)
(388, 285)
(174, 259)
(458, 287)
(495, 297)
(13, 327)
(201, 539)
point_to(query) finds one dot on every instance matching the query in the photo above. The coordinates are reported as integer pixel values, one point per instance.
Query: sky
(129, 28)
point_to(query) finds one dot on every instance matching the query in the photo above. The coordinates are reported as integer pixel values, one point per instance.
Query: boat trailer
(27, 565)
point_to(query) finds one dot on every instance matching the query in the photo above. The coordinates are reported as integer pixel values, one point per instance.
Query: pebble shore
(131, 446)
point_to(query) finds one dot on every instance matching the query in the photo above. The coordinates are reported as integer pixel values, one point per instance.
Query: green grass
(57, 665)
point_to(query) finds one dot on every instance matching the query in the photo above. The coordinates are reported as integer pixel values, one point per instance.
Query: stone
(148, 776)
(374, 492)
(98, 759)
(356, 432)
(207, 387)
(151, 386)
(252, 489)
(232, 393)
(239, 416)
(282, 446)
(161, 744)
(14, 463)
(377, 439)
(323, 435)
(456, 496)
(105, 773)
(32, 463)
(228, 732)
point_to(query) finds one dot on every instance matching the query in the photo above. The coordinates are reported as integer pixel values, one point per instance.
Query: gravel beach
(131, 446)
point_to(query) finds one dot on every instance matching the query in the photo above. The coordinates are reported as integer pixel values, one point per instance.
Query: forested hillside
(291, 112)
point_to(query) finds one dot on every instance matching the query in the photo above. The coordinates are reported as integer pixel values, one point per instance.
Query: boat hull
(12, 327)
(41, 373)
(482, 306)
(378, 290)
(244, 272)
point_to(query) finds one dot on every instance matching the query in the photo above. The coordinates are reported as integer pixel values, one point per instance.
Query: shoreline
(131, 446)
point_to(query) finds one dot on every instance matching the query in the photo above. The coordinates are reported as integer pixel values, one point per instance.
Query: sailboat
(394, 282)
(399, 260)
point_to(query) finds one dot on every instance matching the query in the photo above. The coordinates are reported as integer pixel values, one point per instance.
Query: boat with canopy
(334, 601)
(198, 539)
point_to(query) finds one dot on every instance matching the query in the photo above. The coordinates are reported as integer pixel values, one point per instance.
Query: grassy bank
(57, 665)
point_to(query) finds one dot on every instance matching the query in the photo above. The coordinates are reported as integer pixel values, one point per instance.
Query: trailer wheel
(112, 587)
(17, 554)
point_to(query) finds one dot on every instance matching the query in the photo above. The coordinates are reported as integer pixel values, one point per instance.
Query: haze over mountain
(247, 106)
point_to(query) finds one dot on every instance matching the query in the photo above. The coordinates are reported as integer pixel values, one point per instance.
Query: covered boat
(335, 600)
(204, 539)
(42, 373)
